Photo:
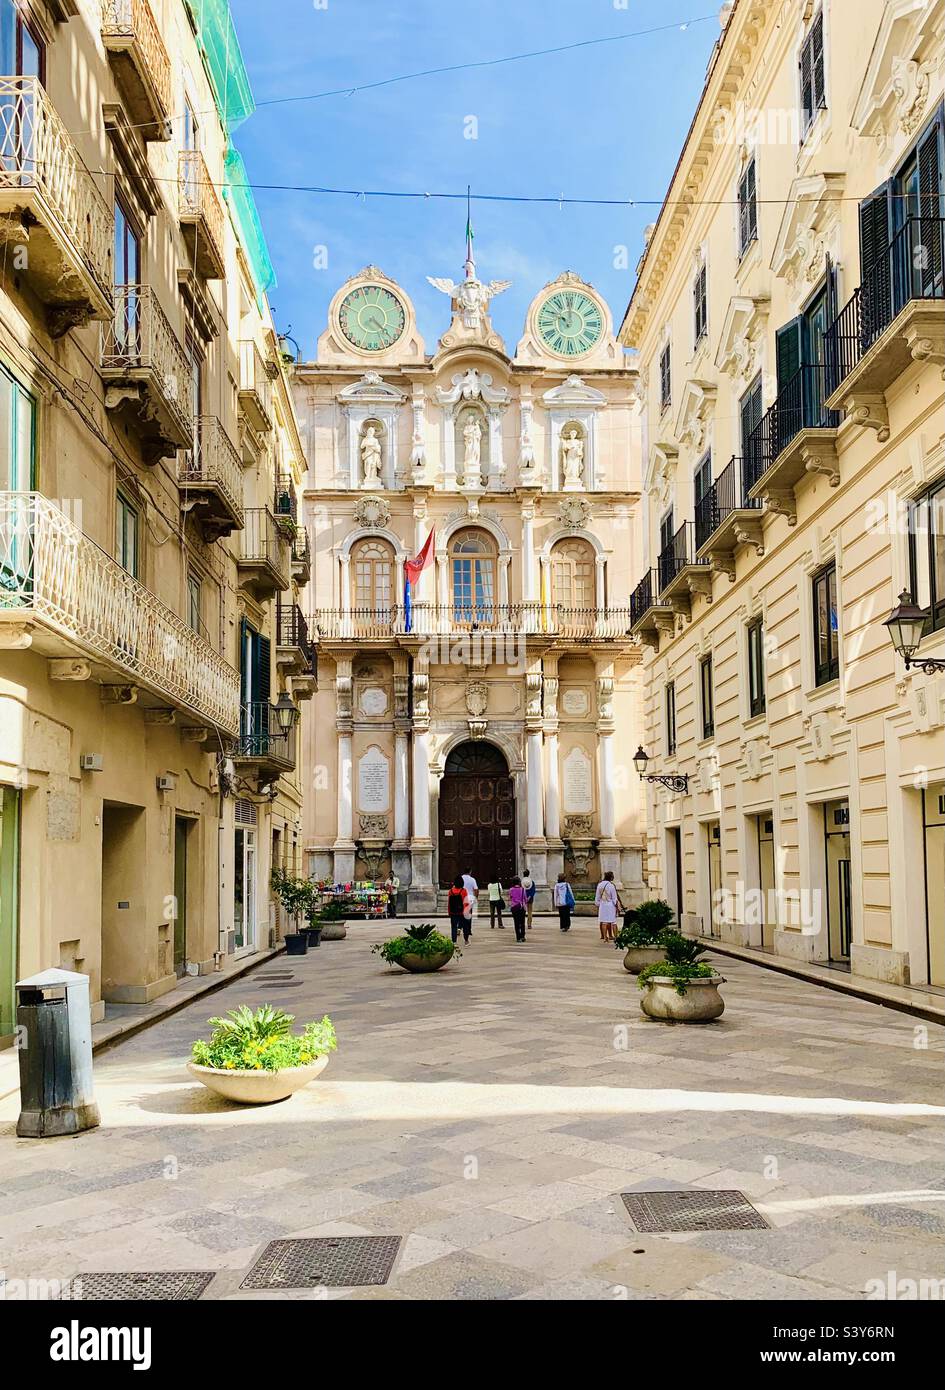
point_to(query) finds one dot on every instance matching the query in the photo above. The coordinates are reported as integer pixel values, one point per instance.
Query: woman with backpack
(517, 908)
(563, 899)
(459, 907)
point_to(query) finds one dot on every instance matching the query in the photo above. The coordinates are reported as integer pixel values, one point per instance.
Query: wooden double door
(477, 818)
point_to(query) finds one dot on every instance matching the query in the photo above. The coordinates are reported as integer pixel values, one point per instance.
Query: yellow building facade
(150, 553)
(476, 729)
(788, 326)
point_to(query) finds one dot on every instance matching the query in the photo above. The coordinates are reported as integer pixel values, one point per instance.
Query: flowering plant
(261, 1040)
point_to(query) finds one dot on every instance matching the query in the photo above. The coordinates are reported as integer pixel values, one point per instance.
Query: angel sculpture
(472, 296)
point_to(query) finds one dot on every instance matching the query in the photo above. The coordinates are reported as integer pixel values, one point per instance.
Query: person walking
(472, 888)
(528, 883)
(563, 899)
(517, 908)
(392, 887)
(608, 903)
(496, 904)
(458, 907)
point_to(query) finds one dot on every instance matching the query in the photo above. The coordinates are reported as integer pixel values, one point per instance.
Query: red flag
(414, 568)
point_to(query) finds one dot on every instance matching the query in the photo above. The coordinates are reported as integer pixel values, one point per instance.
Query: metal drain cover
(175, 1286)
(692, 1211)
(336, 1262)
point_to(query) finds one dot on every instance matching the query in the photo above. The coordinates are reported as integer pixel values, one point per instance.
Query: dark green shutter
(818, 83)
(929, 264)
(875, 275)
(788, 353)
(261, 654)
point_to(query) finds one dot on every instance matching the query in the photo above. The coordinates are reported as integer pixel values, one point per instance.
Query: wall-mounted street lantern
(287, 713)
(906, 625)
(672, 781)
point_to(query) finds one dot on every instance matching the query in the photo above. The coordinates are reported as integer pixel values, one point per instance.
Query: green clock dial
(372, 318)
(570, 322)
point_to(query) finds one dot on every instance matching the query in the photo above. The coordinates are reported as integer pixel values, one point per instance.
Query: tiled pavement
(489, 1114)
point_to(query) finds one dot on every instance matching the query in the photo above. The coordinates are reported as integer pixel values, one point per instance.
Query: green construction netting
(239, 195)
(216, 36)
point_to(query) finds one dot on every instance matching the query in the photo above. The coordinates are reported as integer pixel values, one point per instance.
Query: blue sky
(602, 121)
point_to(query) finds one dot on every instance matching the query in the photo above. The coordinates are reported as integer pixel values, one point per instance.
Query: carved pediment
(574, 391)
(372, 389)
(661, 473)
(695, 413)
(895, 89)
(472, 385)
(810, 214)
(742, 336)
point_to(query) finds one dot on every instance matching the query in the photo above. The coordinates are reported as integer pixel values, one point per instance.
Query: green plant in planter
(654, 915)
(682, 963)
(297, 895)
(261, 1040)
(332, 912)
(421, 941)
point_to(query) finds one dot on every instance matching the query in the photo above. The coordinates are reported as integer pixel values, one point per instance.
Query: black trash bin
(54, 1041)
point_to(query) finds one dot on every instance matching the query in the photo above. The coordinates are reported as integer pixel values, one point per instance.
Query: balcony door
(473, 562)
(373, 596)
(256, 685)
(128, 326)
(574, 583)
(22, 51)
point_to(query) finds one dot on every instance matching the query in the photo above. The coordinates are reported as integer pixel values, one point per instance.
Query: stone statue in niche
(572, 461)
(372, 459)
(472, 459)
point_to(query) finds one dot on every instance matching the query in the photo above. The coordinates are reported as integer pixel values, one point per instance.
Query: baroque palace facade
(788, 324)
(476, 729)
(151, 644)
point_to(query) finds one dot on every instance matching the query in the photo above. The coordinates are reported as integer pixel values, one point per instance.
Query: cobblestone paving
(491, 1114)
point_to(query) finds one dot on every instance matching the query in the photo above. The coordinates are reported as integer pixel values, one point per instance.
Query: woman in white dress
(608, 903)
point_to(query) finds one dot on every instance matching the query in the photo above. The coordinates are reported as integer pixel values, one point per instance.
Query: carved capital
(869, 410)
(782, 504)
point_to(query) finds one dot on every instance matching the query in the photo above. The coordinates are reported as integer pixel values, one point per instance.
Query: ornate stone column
(400, 849)
(552, 781)
(344, 562)
(343, 849)
(422, 887)
(536, 852)
(606, 770)
(528, 564)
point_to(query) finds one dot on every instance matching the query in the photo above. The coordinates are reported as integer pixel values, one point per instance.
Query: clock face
(372, 318)
(570, 322)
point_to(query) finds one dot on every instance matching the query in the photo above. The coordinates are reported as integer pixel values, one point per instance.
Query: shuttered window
(666, 381)
(700, 305)
(708, 697)
(747, 209)
(826, 627)
(756, 668)
(813, 84)
(671, 718)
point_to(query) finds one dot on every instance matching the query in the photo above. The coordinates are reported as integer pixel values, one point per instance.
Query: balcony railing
(301, 556)
(292, 632)
(55, 577)
(255, 387)
(261, 740)
(674, 557)
(729, 493)
(142, 66)
(911, 269)
(266, 555)
(201, 212)
(556, 621)
(644, 595)
(798, 406)
(42, 176)
(139, 342)
(286, 503)
(212, 467)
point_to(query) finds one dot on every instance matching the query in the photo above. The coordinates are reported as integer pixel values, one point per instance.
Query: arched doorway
(477, 815)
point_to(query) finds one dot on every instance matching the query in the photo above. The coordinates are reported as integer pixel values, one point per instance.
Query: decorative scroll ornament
(372, 511)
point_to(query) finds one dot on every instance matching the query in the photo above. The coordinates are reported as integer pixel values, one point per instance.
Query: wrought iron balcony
(140, 63)
(294, 647)
(50, 203)
(255, 393)
(265, 563)
(146, 371)
(285, 502)
(62, 595)
(301, 556)
(211, 478)
(262, 744)
(502, 621)
(797, 436)
(727, 516)
(201, 216)
(681, 572)
(896, 314)
(648, 613)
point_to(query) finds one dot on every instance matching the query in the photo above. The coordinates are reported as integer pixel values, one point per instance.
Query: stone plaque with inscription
(575, 703)
(373, 781)
(373, 700)
(578, 781)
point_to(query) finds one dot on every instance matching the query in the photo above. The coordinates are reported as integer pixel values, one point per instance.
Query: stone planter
(257, 1087)
(422, 965)
(334, 931)
(639, 956)
(700, 1004)
(295, 943)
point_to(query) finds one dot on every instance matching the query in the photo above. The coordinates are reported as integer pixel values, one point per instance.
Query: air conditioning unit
(92, 762)
(166, 783)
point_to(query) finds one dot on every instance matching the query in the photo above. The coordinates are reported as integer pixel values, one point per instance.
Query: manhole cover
(127, 1288)
(331, 1261)
(692, 1211)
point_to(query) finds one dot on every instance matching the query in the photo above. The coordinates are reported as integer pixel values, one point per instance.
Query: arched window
(372, 595)
(473, 566)
(573, 578)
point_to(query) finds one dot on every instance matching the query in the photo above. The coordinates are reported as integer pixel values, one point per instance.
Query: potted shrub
(254, 1057)
(643, 934)
(296, 896)
(682, 988)
(332, 918)
(419, 950)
